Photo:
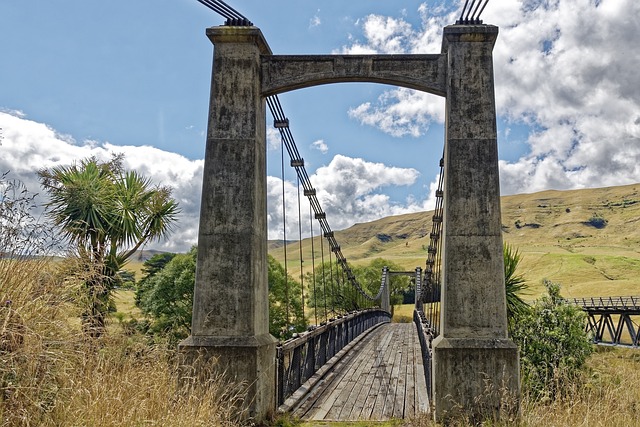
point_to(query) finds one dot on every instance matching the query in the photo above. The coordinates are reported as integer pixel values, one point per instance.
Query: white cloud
(29, 146)
(315, 22)
(320, 146)
(349, 190)
(274, 140)
(401, 112)
(566, 68)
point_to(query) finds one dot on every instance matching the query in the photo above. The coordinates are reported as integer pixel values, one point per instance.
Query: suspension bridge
(354, 364)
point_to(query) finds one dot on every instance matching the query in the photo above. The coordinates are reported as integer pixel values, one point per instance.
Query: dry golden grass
(51, 376)
(607, 396)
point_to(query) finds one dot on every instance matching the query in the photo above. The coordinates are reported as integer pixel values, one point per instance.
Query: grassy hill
(587, 240)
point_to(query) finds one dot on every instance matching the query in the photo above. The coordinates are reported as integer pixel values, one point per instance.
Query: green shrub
(553, 343)
(597, 221)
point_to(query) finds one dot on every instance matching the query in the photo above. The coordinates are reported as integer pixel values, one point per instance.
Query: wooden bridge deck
(381, 378)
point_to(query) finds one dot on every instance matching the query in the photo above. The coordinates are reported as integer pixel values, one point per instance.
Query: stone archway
(230, 316)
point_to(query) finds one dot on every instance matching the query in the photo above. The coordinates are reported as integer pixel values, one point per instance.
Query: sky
(82, 78)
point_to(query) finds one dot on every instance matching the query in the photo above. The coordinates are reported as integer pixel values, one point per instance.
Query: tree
(150, 267)
(107, 213)
(168, 297)
(286, 314)
(329, 287)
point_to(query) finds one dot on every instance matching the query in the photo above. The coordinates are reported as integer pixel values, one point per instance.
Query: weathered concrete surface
(231, 313)
(283, 73)
(473, 356)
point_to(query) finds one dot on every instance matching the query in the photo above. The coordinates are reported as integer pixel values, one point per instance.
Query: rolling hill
(587, 240)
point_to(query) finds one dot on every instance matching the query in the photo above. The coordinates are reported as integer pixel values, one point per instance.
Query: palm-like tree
(108, 214)
(514, 283)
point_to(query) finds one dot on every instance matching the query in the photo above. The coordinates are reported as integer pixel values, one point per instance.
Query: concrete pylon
(231, 305)
(475, 365)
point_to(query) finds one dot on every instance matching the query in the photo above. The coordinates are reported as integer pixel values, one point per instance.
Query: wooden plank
(365, 385)
(409, 410)
(381, 361)
(387, 411)
(380, 378)
(405, 360)
(384, 373)
(323, 388)
(326, 400)
(303, 399)
(355, 370)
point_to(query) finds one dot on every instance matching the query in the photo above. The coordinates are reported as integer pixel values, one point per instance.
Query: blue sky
(82, 77)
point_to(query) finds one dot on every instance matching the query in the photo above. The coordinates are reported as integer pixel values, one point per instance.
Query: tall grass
(50, 375)
(607, 394)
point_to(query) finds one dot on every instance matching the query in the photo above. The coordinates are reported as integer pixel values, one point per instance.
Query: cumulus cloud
(29, 146)
(564, 68)
(320, 146)
(401, 112)
(349, 190)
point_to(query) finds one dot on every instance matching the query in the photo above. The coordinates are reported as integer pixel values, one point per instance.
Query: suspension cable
(324, 282)
(431, 289)
(313, 268)
(282, 124)
(300, 248)
(284, 237)
(471, 16)
(333, 306)
(232, 16)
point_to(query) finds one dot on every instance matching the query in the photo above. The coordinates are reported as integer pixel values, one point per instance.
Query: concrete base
(248, 363)
(476, 379)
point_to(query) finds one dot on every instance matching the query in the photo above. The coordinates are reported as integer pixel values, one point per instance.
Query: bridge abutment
(230, 324)
(475, 365)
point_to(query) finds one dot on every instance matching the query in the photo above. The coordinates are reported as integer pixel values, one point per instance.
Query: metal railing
(425, 337)
(608, 304)
(610, 321)
(299, 358)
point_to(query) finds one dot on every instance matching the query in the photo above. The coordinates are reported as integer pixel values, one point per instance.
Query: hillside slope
(587, 240)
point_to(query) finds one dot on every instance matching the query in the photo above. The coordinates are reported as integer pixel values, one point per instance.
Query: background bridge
(612, 320)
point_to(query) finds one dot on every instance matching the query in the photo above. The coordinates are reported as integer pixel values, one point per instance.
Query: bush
(597, 221)
(553, 344)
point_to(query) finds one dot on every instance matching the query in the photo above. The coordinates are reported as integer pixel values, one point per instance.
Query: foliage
(331, 292)
(149, 268)
(107, 213)
(286, 314)
(597, 221)
(514, 283)
(168, 296)
(553, 343)
(22, 234)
